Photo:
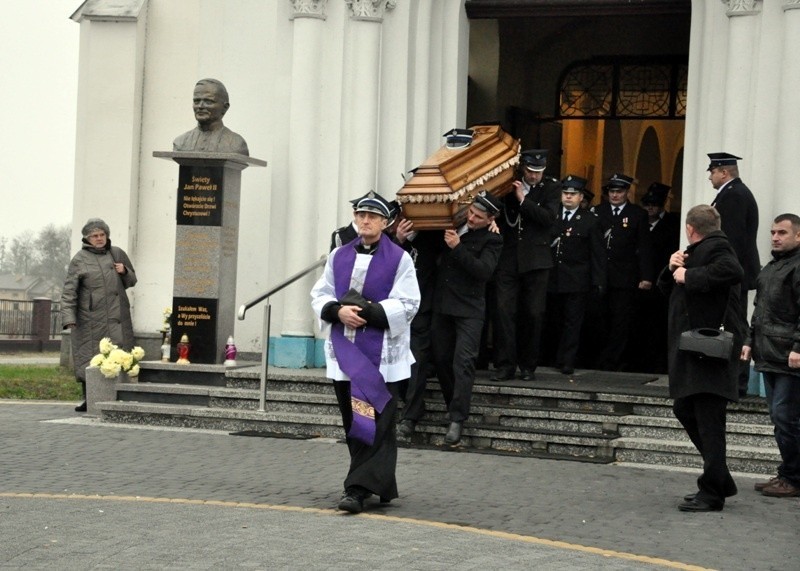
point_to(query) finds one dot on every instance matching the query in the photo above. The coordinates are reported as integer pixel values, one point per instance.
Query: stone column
(787, 137)
(738, 90)
(361, 81)
(297, 329)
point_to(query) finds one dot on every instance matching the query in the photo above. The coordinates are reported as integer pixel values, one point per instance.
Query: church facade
(344, 96)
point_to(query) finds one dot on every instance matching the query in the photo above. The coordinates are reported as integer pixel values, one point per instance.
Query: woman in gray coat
(94, 303)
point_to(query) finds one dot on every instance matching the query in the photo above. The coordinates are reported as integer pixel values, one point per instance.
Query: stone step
(749, 459)
(517, 417)
(656, 428)
(517, 440)
(227, 419)
(529, 419)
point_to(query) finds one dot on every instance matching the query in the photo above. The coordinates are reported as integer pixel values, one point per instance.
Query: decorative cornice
(369, 10)
(791, 5)
(309, 9)
(742, 7)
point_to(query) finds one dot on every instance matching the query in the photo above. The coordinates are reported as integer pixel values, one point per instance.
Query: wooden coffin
(437, 195)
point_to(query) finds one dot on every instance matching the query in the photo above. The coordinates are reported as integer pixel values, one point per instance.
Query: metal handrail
(266, 326)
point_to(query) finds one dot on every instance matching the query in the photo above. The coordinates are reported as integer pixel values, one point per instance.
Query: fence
(33, 325)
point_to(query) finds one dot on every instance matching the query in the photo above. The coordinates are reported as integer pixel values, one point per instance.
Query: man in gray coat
(703, 285)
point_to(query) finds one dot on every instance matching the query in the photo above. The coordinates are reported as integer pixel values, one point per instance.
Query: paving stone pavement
(143, 498)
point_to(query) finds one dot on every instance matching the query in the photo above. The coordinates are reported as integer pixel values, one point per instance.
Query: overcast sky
(39, 80)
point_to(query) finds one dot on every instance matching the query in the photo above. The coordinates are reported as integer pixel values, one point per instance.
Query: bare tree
(45, 255)
(52, 253)
(21, 254)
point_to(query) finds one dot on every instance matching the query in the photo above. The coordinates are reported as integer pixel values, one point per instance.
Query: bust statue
(210, 103)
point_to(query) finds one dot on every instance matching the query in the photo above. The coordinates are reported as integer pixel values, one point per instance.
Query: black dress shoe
(453, 433)
(503, 375)
(695, 505)
(81, 407)
(689, 497)
(526, 375)
(352, 502)
(565, 370)
(406, 428)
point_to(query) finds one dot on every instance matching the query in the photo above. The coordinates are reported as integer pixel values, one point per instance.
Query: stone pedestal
(206, 243)
(100, 389)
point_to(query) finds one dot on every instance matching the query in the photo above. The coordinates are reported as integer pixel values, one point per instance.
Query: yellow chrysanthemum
(134, 372)
(106, 346)
(137, 353)
(97, 360)
(122, 358)
(110, 369)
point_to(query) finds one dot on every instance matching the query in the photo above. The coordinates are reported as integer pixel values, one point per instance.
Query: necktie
(616, 211)
(566, 215)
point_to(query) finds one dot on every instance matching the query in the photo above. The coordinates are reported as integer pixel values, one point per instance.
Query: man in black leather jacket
(774, 344)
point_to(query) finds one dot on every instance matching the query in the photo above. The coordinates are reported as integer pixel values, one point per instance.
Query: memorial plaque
(206, 239)
(197, 318)
(200, 195)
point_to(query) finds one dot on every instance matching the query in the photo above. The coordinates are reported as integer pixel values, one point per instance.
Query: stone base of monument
(101, 389)
(292, 352)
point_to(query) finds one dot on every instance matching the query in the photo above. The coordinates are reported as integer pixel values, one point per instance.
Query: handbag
(708, 342)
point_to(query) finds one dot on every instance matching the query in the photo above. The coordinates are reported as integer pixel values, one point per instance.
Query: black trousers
(456, 342)
(521, 299)
(567, 310)
(414, 408)
(371, 467)
(703, 417)
(647, 347)
(620, 309)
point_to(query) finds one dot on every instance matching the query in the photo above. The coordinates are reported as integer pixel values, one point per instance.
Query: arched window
(624, 88)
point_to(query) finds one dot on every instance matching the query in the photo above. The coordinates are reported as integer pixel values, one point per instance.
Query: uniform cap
(456, 138)
(573, 183)
(534, 159)
(487, 202)
(722, 160)
(656, 194)
(618, 181)
(375, 203)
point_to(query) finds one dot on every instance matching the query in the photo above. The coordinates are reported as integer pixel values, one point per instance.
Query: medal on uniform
(568, 232)
(625, 222)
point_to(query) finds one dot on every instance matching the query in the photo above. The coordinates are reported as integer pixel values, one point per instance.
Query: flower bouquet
(112, 360)
(166, 315)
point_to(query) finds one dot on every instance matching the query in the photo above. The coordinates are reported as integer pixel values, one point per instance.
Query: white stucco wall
(136, 80)
(744, 88)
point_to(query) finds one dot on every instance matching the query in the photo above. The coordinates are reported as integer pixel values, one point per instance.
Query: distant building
(27, 288)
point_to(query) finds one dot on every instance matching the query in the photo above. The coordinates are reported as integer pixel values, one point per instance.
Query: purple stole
(361, 359)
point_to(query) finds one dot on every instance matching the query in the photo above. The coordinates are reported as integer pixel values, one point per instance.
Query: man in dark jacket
(739, 212)
(529, 212)
(649, 342)
(630, 266)
(424, 247)
(774, 343)
(580, 266)
(459, 306)
(703, 288)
